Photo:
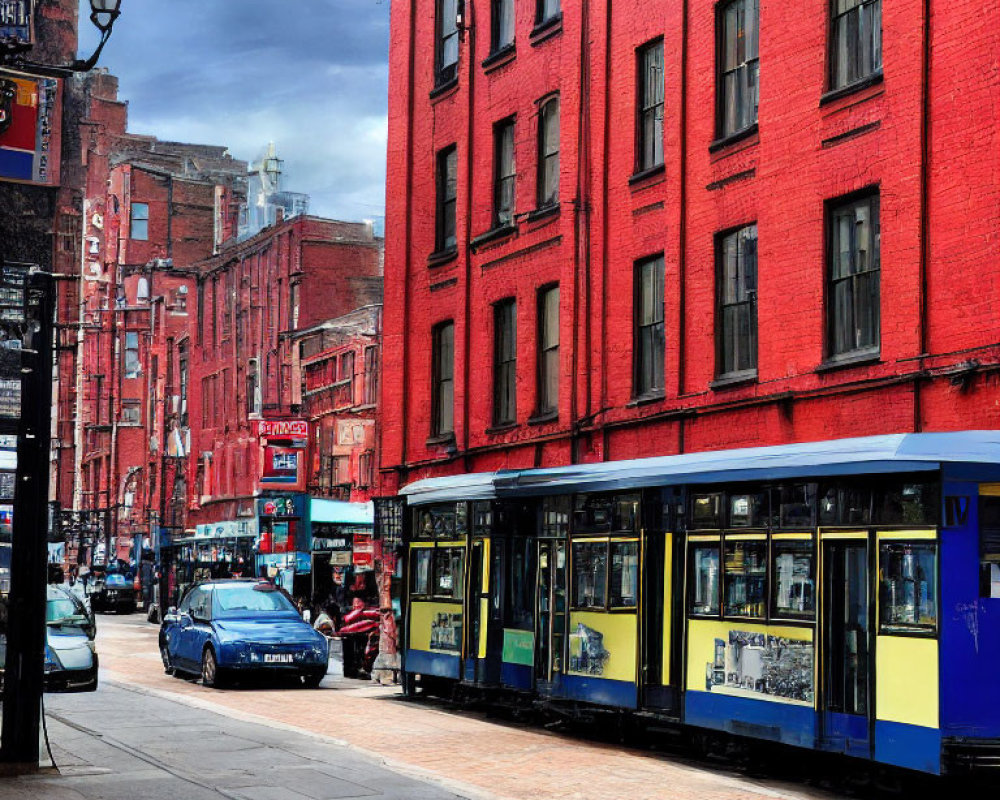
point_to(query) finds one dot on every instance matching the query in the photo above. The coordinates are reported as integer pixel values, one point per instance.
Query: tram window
(590, 574)
(445, 521)
(907, 503)
(745, 579)
(908, 590)
(482, 518)
(989, 546)
(845, 504)
(793, 595)
(520, 599)
(705, 579)
(623, 583)
(795, 504)
(420, 570)
(449, 572)
(748, 510)
(555, 516)
(706, 511)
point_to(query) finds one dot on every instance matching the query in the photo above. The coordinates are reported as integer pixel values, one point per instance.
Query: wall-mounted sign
(283, 428)
(30, 128)
(278, 507)
(15, 21)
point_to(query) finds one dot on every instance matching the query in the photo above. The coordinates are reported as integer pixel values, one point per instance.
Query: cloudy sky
(309, 75)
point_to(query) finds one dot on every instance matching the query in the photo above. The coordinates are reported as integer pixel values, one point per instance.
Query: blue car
(230, 628)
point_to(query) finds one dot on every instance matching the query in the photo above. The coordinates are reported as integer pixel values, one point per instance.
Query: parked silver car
(70, 653)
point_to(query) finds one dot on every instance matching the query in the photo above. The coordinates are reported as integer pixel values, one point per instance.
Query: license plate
(277, 658)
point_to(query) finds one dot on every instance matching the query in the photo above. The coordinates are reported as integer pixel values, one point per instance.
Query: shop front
(342, 555)
(283, 546)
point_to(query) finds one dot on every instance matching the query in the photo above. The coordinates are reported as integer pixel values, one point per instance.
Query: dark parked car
(236, 627)
(112, 591)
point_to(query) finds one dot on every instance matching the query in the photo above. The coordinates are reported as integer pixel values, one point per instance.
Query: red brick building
(623, 231)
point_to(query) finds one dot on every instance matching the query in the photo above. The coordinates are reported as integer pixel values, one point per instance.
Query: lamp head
(103, 13)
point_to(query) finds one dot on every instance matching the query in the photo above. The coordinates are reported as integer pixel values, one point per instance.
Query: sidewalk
(120, 744)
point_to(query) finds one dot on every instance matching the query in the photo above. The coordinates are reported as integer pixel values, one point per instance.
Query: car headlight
(52, 661)
(92, 646)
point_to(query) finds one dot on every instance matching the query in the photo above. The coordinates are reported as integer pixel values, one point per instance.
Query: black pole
(24, 672)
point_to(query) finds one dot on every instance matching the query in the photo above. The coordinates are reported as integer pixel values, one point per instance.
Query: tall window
(504, 173)
(505, 362)
(736, 295)
(649, 123)
(139, 224)
(443, 380)
(856, 41)
(853, 291)
(253, 387)
(546, 10)
(548, 153)
(371, 376)
(548, 350)
(446, 57)
(502, 31)
(648, 345)
(182, 370)
(132, 364)
(739, 67)
(447, 192)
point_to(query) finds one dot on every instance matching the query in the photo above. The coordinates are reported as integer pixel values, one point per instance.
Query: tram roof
(903, 452)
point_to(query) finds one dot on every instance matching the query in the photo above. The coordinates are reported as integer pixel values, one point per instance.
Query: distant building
(267, 203)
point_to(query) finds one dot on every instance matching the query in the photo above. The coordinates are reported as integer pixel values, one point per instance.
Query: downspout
(682, 222)
(407, 243)
(170, 217)
(78, 379)
(466, 334)
(925, 152)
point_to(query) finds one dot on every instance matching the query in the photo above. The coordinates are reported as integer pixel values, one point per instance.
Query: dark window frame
(649, 337)
(546, 10)
(498, 35)
(446, 34)
(505, 362)
(853, 71)
(547, 375)
(734, 362)
(649, 110)
(837, 346)
(504, 176)
(446, 205)
(743, 123)
(547, 178)
(440, 381)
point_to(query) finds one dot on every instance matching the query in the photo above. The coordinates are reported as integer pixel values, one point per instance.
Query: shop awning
(339, 512)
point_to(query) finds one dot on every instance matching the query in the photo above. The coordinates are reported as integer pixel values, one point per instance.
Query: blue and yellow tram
(842, 596)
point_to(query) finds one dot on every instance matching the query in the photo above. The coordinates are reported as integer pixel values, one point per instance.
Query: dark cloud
(310, 75)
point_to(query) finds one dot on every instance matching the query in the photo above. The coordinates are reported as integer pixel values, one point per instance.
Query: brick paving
(486, 757)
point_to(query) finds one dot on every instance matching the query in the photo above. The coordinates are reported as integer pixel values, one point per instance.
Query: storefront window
(590, 570)
(908, 591)
(421, 571)
(624, 579)
(705, 511)
(794, 591)
(449, 572)
(746, 579)
(705, 579)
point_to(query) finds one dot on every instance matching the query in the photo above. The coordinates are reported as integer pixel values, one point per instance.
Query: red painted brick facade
(922, 135)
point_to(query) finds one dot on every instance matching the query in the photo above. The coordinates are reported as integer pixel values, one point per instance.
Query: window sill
(436, 259)
(442, 439)
(725, 141)
(503, 427)
(733, 380)
(649, 172)
(835, 94)
(544, 418)
(441, 89)
(550, 210)
(498, 58)
(546, 29)
(492, 235)
(646, 398)
(855, 358)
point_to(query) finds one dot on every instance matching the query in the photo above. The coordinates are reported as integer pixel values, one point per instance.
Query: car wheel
(312, 680)
(167, 666)
(210, 673)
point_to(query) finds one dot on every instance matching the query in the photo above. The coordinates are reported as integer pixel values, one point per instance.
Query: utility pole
(30, 376)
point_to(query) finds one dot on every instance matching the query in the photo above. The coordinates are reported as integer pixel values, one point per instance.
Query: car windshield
(63, 610)
(240, 598)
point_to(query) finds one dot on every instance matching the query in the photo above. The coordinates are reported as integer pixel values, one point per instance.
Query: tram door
(551, 613)
(847, 650)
